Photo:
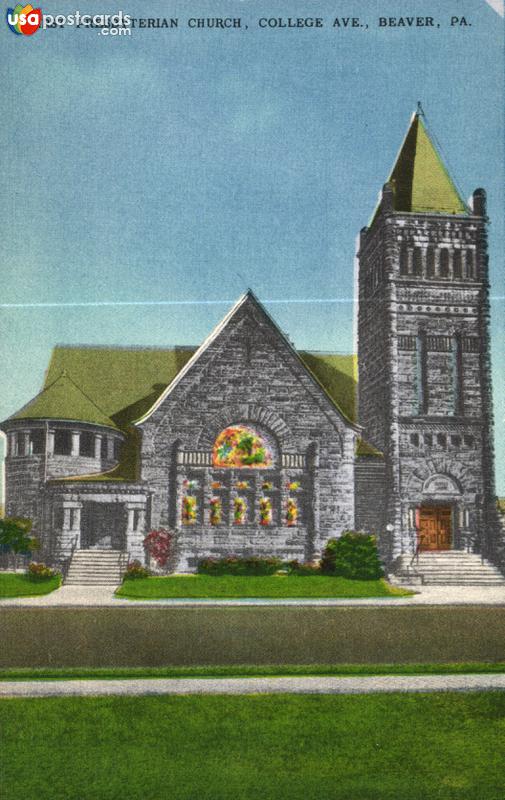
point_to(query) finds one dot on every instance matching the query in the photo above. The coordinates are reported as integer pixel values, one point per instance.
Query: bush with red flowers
(158, 544)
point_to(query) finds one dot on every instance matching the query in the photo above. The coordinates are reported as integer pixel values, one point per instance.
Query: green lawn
(16, 584)
(252, 586)
(446, 746)
(249, 670)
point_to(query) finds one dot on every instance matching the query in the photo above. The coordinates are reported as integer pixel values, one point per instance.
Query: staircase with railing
(96, 568)
(447, 568)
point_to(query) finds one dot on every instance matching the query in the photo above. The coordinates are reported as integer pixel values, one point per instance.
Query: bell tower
(424, 360)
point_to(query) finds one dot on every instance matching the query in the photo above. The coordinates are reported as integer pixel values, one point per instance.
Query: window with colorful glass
(241, 446)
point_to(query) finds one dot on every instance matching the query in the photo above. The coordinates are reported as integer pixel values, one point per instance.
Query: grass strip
(240, 671)
(13, 584)
(271, 586)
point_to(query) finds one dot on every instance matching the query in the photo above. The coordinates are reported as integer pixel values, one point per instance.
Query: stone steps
(449, 568)
(96, 568)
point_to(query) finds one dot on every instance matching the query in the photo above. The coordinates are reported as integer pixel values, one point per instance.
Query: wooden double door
(435, 528)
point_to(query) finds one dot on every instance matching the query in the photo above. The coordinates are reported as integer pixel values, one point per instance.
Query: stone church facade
(246, 446)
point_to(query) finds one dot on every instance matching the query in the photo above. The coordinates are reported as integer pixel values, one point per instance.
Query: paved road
(298, 685)
(85, 596)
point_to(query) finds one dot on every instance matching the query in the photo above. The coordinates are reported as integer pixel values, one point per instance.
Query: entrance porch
(96, 517)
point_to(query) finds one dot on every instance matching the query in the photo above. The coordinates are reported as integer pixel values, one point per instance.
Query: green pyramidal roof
(63, 399)
(419, 178)
(123, 381)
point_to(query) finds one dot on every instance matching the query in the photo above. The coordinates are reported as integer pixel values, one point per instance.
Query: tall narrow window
(430, 261)
(23, 450)
(87, 444)
(422, 382)
(470, 264)
(456, 264)
(239, 511)
(292, 513)
(457, 373)
(404, 260)
(189, 509)
(37, 441)
(104, 447)
(265, 506)
(216, 511)
(444, 263)
(417, 265)
(62, 443)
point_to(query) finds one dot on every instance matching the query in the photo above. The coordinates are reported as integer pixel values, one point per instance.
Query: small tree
(354, 555)
(15, 537)
(158, 544)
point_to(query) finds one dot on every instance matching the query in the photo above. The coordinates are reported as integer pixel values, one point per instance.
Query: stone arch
(424, 478)
(246, 413)
(441, 485)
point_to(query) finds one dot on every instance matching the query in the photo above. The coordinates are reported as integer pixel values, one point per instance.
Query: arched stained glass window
(241, 446)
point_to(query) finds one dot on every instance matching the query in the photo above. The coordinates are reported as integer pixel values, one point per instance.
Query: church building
(245, 445)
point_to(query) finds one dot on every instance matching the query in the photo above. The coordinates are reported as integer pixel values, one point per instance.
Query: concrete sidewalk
(294, 685)
(92, 596)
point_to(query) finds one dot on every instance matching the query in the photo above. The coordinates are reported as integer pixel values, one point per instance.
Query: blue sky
(188, 165)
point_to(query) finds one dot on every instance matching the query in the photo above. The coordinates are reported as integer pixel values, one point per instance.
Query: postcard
(252, 328)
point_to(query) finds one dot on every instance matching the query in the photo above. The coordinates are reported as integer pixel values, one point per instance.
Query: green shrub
(354, 555)
(297, 568)
(135, 570)
(40, 572)
(233, 565)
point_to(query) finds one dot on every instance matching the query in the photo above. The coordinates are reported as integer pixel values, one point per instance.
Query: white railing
(195, 458)
(203, 458)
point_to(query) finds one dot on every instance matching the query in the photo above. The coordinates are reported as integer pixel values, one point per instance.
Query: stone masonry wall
(25, 481)
(369, 472)
(248, 374)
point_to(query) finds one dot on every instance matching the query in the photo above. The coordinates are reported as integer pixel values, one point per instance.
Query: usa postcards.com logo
(24, 20)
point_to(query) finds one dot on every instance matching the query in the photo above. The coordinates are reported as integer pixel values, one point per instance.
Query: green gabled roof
(126, 382)
(338, 375)
(420, 180)
(62, 398)
(117, 385)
